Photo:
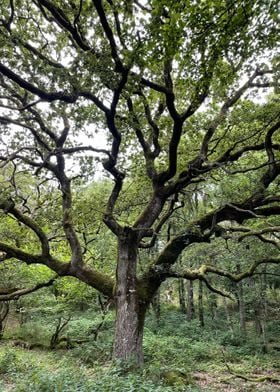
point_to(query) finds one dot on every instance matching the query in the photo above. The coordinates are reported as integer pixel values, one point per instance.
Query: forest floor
(224, 382)
(179, 356)
(50, 375)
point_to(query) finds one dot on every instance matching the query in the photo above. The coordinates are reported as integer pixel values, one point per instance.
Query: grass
(179, 356)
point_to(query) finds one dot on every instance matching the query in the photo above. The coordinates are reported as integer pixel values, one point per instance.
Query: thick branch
(11, 252)
(46, 96)
(72, 238)
(51, 96)
(101, 282)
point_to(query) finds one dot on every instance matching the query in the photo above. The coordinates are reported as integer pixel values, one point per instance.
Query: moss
(176, 377)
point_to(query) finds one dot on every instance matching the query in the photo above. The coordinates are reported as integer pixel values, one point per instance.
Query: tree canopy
(182, 94)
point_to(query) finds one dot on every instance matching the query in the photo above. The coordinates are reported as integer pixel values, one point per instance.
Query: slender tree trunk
(156, 304)
(182, 295)
(228, 317)
(200, 304)
(255, 306)
(212, 300)
(130, 310)
(264, 313)
(241, 305)
(241, 309)
(190, 306)
(257, 322)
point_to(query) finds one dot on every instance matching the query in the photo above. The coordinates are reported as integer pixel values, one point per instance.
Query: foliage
(185, 183)
(173, 360)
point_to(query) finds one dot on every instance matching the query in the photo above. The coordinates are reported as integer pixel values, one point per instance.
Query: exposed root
(268, 377)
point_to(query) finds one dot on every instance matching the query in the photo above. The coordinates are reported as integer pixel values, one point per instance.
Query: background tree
(165, 81)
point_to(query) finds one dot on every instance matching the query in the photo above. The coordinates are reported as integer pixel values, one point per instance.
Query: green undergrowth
(178, 355)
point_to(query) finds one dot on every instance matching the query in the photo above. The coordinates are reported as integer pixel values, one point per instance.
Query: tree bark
(228, 316)
(212, 300)
(156, 305)
(241, 309)
(130, 308)
(4, 311)
(200, 304)
(182, 296)
(190, 308)
(264, 313)
(241, 304)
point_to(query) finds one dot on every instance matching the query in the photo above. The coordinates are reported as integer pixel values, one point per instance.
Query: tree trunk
(257, 322)
(264, 312)
(130, 309)
(190, 308)
(4, 311)
(241, 304)
(200, 304)
(212, 300)
(241, 309)
(182, 296)
(156, 305)
(228, 317)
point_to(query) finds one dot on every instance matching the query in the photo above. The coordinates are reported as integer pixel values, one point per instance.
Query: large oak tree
(167, 84)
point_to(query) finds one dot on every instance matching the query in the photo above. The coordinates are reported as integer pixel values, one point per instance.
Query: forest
(139, 195)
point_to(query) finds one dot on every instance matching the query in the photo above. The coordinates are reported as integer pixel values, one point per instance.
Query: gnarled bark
(130, 307)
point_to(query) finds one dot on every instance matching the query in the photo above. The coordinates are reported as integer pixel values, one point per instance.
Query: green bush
(167, 350)
(82, 327)
(8, 362)
(113, 381)
(42, 381)
(33, 332)
(93, 353)
(204, 351)
(232, 339)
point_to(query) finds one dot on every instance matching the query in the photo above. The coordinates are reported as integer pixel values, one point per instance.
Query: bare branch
(62, 20)
(204, 269)
(20, 292)
(9, 207)
(198, 275)
(222, 114)
(172, 208)
(109, 34)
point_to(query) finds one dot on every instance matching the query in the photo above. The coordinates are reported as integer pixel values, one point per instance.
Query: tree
(165, 81)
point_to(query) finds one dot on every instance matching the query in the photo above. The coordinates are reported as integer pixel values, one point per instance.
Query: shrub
(34, 332)
(93, 353)
(8, 362)
(42, 381)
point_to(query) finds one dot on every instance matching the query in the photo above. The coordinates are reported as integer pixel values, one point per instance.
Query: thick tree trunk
(4, 311)
(130, 309)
